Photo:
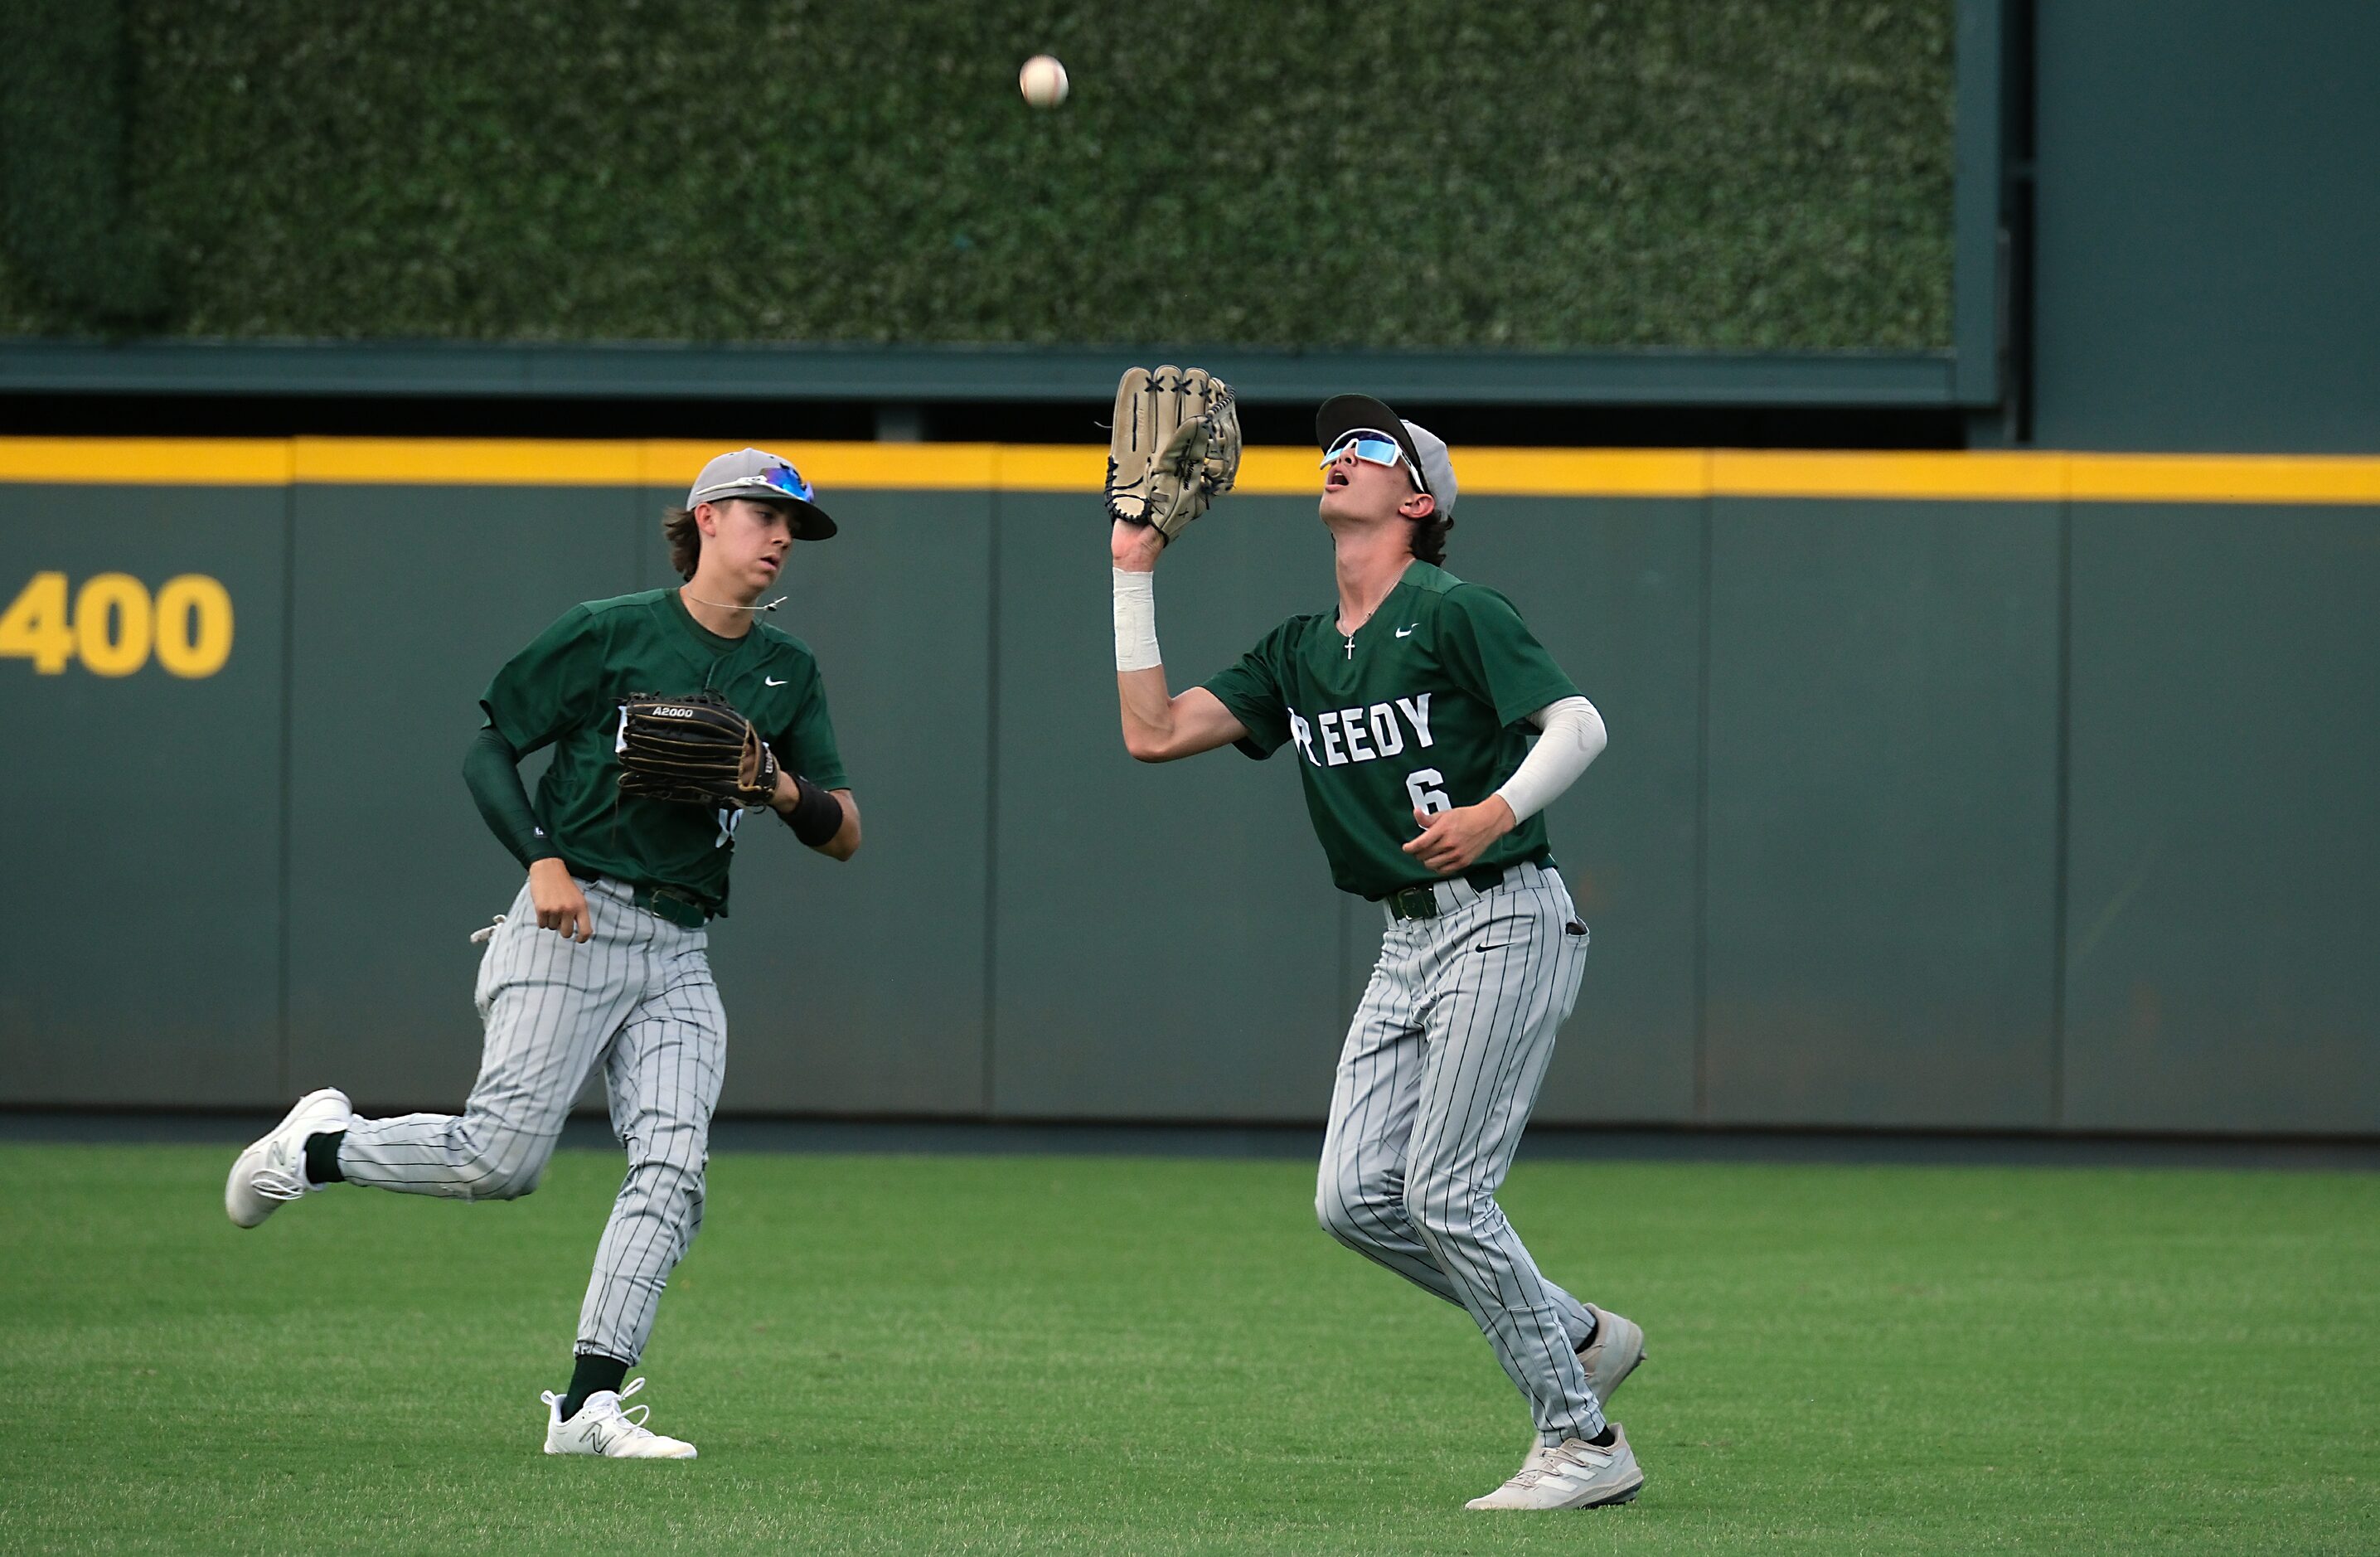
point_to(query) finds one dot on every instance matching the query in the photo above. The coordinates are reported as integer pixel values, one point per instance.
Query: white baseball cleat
(1572, 1474)
(601, 1427)
(272, 1172)
(1618, 1347)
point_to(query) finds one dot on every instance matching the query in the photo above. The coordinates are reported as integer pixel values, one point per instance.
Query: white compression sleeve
(1571, 735)
(1136, 620)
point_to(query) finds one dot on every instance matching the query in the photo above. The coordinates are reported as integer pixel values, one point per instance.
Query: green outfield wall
(1944, 791)
(2205, 224)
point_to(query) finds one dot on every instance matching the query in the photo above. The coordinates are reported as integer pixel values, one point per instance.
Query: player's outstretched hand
(1454, 840)
(561, 906)
(1135, 547)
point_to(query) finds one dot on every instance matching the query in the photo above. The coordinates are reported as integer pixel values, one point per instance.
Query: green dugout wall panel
(1614, 591)
(1167, 941)
(1822, 857)
(2223, 918)
(1882, 822)
(858, 988)
(406, 600)
(140, 817)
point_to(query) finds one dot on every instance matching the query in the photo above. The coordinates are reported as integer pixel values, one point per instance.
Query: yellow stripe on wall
(1993, 475)
(2127, 477)
(466, 462)
(239, 462)
(1985, 475)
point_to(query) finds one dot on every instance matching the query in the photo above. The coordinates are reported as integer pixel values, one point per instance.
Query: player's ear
(1420, 506)
(706, 518)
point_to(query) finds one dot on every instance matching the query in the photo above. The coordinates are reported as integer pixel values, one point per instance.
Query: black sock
(323, 1157)
(594, 1374)
(1588, 1339)
(1605, 1439)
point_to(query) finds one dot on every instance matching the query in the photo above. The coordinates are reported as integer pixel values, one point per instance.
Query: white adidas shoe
(1572, 1474)
(601, 1427)
(1617, 1349)
(272, 1172)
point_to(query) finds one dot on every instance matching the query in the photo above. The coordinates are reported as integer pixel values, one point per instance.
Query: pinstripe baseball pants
(636, 999)
(1441, 1069)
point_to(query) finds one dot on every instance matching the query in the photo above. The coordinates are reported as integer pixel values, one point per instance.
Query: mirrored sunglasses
(1371, 444)
(787, 480)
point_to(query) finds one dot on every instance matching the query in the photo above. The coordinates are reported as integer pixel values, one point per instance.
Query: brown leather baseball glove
(697, 750)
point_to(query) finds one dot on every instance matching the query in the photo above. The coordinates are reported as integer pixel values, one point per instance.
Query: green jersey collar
(703, 637)
(1421, 574)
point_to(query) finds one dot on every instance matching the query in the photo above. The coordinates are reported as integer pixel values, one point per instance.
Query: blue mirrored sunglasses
(1371, 444)
(785, 479)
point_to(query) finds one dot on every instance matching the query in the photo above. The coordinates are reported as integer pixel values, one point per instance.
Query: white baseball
(1044, 81)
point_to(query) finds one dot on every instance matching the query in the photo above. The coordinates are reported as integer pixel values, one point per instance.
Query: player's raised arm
(1158, 726)
(1173, 448)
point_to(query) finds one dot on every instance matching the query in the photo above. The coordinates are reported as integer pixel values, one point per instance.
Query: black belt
(662, 903)
(1421, 902)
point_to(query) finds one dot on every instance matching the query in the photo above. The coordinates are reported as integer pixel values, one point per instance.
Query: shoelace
(1550, 1460)
(279, 1184)
(632, 1417)
(1532, 1469)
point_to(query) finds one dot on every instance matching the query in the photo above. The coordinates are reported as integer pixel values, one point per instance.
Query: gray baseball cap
(1343, 414)
(763, 477)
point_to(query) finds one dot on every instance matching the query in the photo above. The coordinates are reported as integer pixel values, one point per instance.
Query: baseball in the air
(1044, 81)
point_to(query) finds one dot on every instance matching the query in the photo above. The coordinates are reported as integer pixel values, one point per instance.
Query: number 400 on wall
(114, 625)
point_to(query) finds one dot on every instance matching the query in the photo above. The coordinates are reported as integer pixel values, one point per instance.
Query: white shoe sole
(1613, 1500)
(1603, 1498)
(1635, 1338)
(243, 1168)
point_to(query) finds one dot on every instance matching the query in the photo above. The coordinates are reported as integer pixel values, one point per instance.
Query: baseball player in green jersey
(1430, 730)
(602, 961)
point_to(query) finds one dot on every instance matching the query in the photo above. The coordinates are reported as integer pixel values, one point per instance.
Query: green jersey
(565, 690)
(1425, 708)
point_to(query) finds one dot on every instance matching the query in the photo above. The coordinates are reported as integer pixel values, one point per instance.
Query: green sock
(594, 1374)
(323, 1157)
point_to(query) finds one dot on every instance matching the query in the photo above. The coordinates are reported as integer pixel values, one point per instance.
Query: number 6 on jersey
(1428, 798)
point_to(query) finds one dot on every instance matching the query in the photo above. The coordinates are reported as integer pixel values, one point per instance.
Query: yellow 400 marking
(114, 625)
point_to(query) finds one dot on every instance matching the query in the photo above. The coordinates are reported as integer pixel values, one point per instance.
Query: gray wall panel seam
(2060, 844)
(987, 1042)
(1701, 825)
(281, 1066)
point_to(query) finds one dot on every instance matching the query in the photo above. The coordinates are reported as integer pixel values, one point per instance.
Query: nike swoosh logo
(1407, 632)
(1492, 946)
(770, 681)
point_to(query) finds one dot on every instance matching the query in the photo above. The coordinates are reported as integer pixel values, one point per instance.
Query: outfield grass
(1076, 1354)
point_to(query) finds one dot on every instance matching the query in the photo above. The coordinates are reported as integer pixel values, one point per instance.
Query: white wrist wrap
(1572, 733)
(1136, 620)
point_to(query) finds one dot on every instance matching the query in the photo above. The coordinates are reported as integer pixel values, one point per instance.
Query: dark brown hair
(684, 540)
(1430, 536)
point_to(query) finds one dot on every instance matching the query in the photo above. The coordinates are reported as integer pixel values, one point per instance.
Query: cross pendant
(1351, 647)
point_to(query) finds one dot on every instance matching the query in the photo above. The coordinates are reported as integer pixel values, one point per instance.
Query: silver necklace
(723, 605)
(1359, 626)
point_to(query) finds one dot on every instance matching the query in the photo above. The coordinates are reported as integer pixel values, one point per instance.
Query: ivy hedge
(1540, 174)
